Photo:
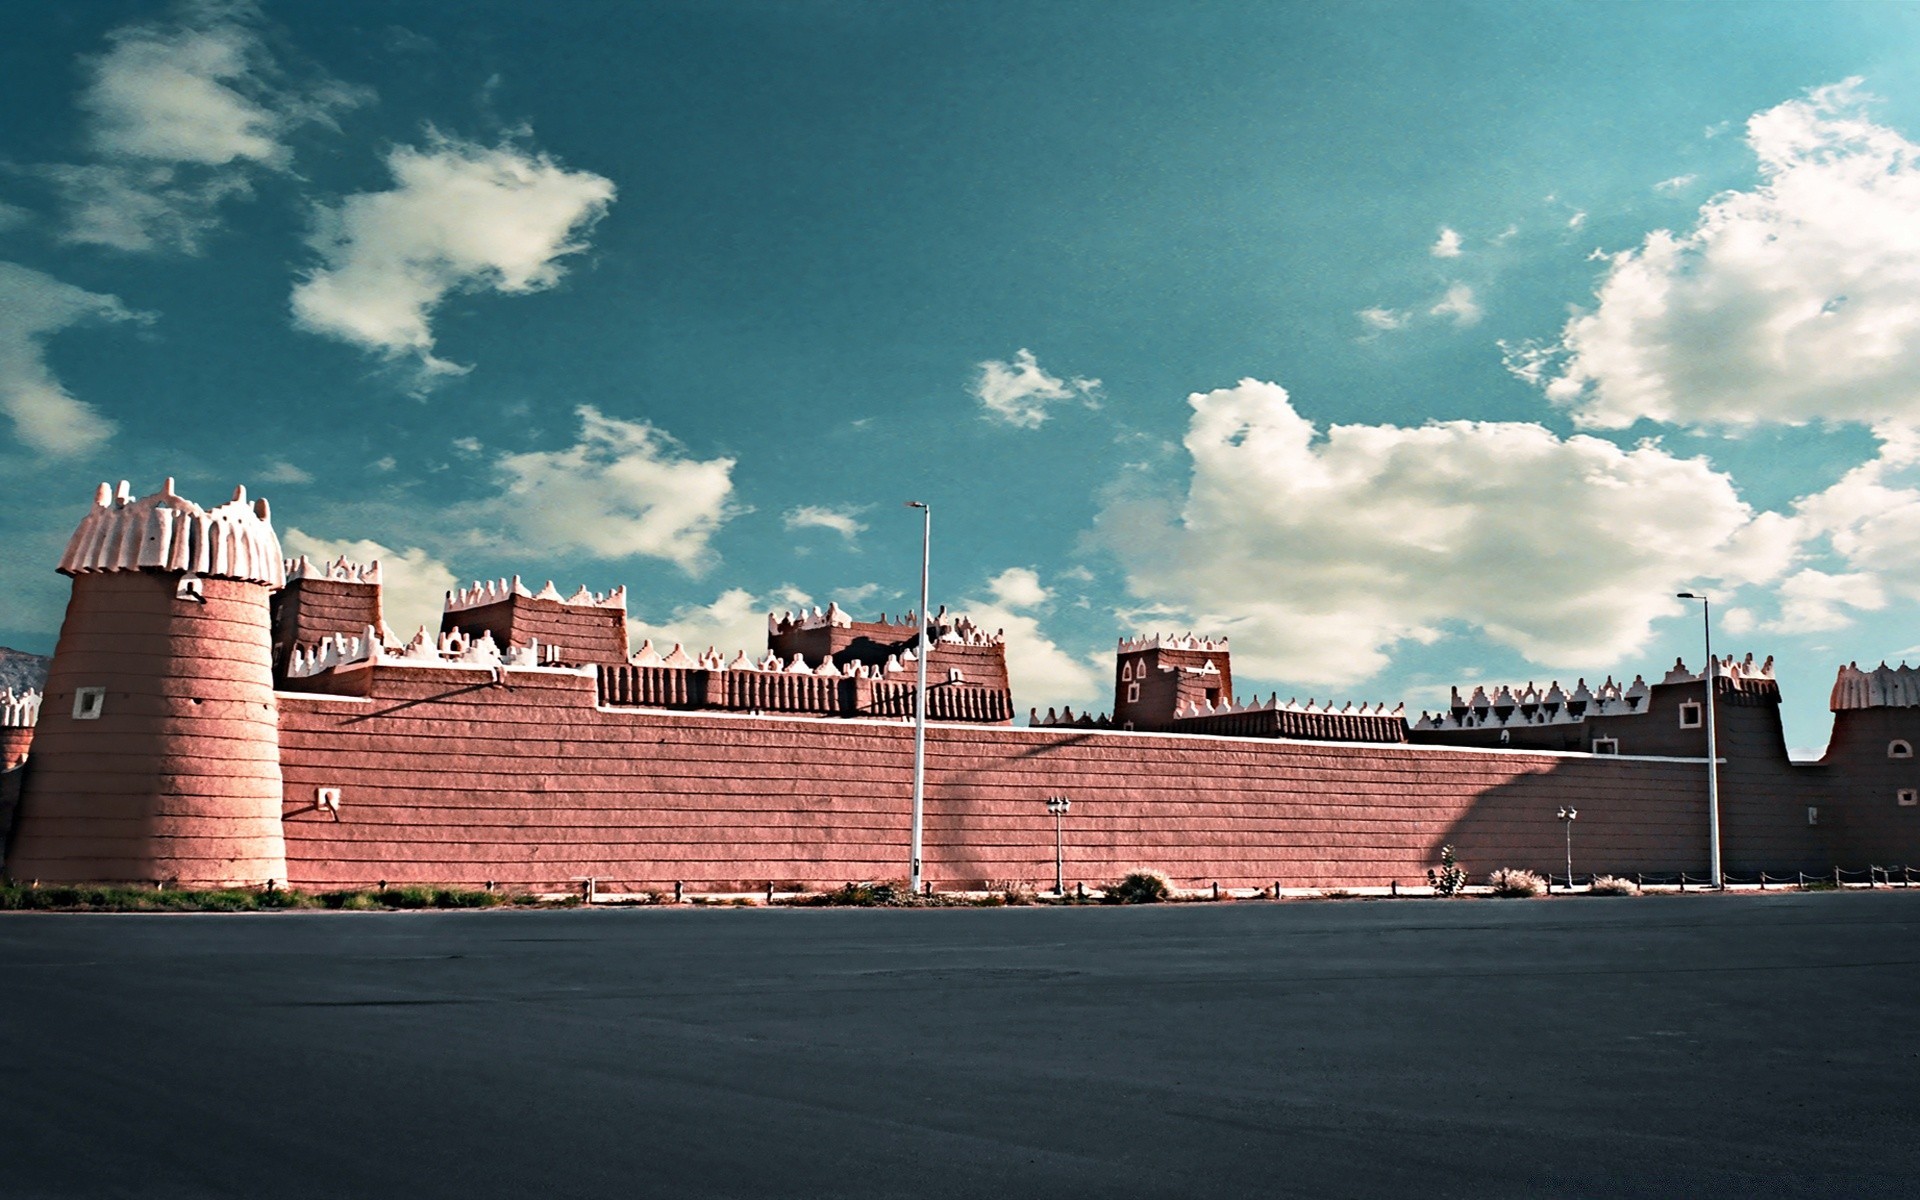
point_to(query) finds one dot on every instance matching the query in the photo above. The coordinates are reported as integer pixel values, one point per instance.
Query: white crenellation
(19, 710)
(1273, 703)
(955, 630)
(340, 570)
(1882, 687)
(167, 532)
(494, 591)
(449, 649)
(1157, 641)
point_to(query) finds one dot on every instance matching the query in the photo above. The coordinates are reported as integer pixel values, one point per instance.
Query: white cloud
(736, 620)
(460, 217)
(844, 521)
(282, 471)
(1798, 300)
(1319, 554)
(34, 307)
(1019, 392)
(1870, 519)
(1679, 183)
(625, 489)
(1041, 673)
(1458, 304)
(1448, 246)
(181, 117)
(414, 584)
(1382, 320)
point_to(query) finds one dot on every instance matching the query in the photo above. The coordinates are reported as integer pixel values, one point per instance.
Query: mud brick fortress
(217, 714)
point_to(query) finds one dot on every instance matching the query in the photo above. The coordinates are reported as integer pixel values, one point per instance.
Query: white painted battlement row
(770, 663)
(1158, 641)
(167, 532)
(1882, 687)
(449, 649)
(959, 630)
(340, 570)
(493, 591)
(19, 710)
(1206, 708)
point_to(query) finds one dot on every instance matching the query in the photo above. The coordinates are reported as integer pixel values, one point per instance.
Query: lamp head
(916, 504)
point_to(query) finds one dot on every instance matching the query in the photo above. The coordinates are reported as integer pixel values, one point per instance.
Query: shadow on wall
(1656, 827)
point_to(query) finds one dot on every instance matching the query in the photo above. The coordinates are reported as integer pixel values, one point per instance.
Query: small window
(1606, 745)
(1128, 726)
(1133, 693)
(1813, 814)
(1907, 797)
(189, 588)
(1126, 671)
(327, 798)
(1898, 748)
(88, 703)
(1690, 715)
(956, 675)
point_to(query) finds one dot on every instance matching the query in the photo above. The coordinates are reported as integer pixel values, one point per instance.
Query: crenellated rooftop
(168, 532)
(495, 591)
(1882, 687)
(1160, 641)
(340, 570)
(19, 710)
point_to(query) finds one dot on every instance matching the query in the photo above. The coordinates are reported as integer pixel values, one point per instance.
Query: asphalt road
(1672, 1047)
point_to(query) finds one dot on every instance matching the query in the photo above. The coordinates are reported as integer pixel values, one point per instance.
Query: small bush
(1610, 885)
(1449, 878)
(1142, 886)
(1515, 881)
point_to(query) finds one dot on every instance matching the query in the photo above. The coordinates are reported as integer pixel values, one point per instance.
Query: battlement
(499, 591)
(1882, 687)
(958, 630)
(340, 570)
(1158, 641)
(19, 710)
(450, 649)
(167, 532)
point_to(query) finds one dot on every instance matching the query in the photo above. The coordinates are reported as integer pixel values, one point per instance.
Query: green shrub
(1515, 881)
(1610, 885)
(1449, 878)
(1141, 886)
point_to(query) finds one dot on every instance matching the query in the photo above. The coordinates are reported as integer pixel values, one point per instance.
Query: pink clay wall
(179, 778)
(450, 778)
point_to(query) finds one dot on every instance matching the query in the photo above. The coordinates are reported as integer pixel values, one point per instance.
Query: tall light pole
(1058, 806)
(920, 697)
(1567, 817)
(1713, 758)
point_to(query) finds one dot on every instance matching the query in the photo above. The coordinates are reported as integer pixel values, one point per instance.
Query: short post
(677, 886)
(1276, 889)
(1763, 881)
(586, 890)
(1836, 876)
(1393, 886)
(1081, 890)
(769, 891)
(1216, 889)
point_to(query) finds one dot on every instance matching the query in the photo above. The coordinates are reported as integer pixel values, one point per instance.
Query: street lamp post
(920, 698)
(1058, 806)
(1567, 817)
(1713, 758)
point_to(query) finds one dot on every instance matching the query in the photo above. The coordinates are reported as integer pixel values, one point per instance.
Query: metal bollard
(586, 890)
(1216, 889)
(677, 885)
(769, 891)
(1393, 886)
(1080, 890)
(1276, 889)
(1836, 876)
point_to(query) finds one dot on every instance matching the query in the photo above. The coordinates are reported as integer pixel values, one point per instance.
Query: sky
(1408, 345)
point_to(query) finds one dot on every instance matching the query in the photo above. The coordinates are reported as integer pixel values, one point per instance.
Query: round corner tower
(157, 754)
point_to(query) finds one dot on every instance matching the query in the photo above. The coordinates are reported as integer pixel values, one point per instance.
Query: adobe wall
(448, 777)
(1863, 814)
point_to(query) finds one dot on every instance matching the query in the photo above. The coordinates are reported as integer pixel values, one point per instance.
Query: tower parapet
(586, 628)
(1159, 675)
(322, 599)
(1882, 687)
(157, 755)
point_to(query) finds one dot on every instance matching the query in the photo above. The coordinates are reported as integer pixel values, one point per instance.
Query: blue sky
(1408, 344)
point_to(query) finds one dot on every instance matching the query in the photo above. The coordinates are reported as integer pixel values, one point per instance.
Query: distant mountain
(18, 669)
